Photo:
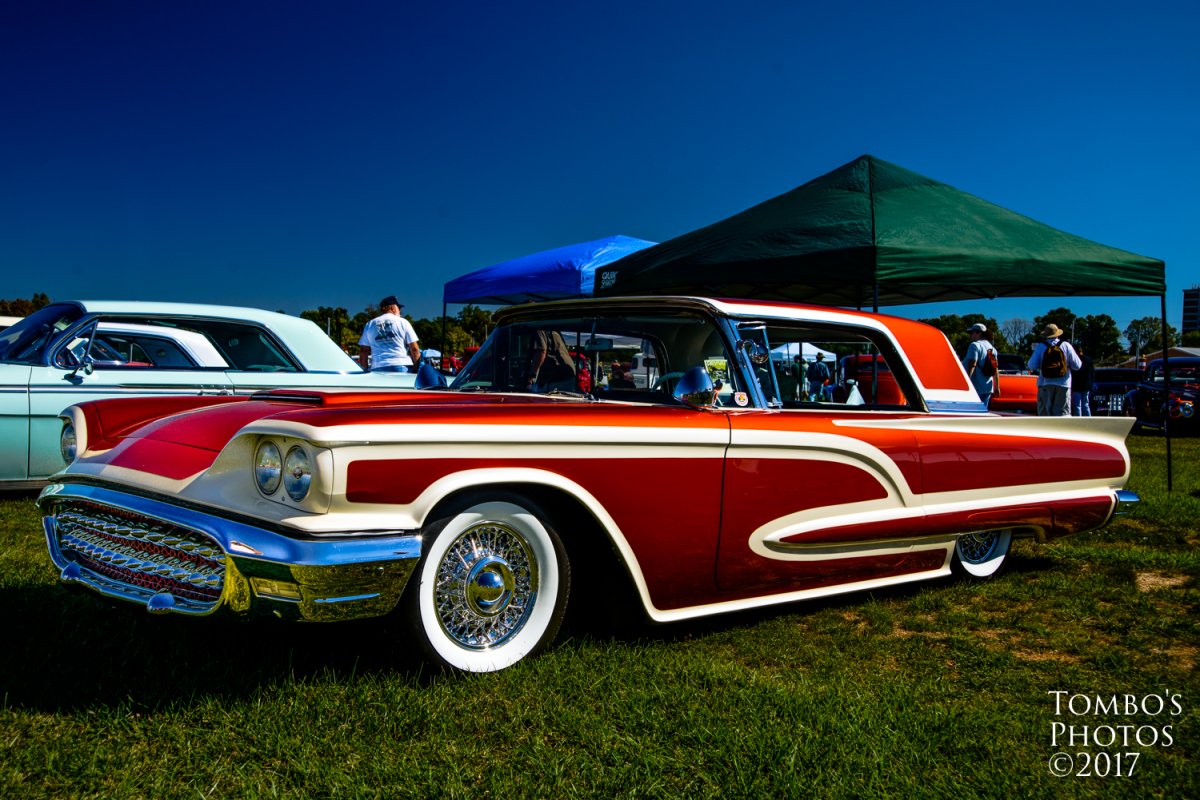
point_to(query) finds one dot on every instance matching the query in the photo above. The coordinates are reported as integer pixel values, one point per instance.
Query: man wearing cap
(389, 342)
(976, 357)
(1053, 359)
(818, 376)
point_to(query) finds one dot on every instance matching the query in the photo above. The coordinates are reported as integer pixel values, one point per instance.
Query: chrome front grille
(139, 557)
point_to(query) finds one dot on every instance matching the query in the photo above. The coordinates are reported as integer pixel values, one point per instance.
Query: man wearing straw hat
(1053, 359)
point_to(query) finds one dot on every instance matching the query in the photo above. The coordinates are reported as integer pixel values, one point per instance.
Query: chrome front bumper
(173, 559)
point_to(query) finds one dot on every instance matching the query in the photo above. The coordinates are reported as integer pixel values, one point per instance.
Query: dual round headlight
(268, 468)
(271, 468)
(297, 473)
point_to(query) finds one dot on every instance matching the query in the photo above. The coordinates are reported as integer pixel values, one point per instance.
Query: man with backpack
(1054, 359)
(980, 362)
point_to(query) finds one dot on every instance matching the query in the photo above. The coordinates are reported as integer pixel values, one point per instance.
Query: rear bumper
(174, 559)
(1126, 502)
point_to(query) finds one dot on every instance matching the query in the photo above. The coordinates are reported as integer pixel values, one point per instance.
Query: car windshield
(1118, 375)
(1009, 362)
(1180, 374)
(26, 341)
(626, 356)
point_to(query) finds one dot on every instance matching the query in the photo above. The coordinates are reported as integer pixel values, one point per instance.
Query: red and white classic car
(474, 513)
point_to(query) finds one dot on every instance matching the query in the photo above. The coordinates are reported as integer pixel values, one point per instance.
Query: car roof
(1178, 361)
(147, 307)
(320, 354)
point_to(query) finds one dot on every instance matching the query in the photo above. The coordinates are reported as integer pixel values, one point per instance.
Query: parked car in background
(8, 322)
(1156, 403)
(1018, 394)
(1011, 364)
(476, 515)
(72, 352)
(1110, 386)
(1018, 387)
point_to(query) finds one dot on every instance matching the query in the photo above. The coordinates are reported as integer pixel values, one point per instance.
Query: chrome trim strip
(348, 599)
(133, 388)
(955, 407)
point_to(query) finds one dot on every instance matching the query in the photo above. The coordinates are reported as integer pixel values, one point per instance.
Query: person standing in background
(976, 361)
(818, 376)
(389, 342)
(1053, 359)
(1081, 385)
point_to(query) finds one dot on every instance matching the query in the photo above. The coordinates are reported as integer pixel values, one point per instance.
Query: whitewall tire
(491, 588)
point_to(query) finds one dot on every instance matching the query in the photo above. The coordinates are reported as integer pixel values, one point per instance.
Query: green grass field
(940, 690)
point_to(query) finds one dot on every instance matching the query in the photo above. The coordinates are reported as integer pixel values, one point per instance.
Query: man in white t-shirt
(976, 358)
(389, 342)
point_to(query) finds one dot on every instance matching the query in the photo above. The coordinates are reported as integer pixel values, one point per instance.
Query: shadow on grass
(67, 650)
(636, 628)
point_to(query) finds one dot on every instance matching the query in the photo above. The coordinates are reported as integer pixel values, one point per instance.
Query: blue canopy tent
(557, 274)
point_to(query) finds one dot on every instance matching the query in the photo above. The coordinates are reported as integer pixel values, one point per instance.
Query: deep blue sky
(294, 154)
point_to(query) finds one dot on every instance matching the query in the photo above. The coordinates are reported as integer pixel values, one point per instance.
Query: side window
(821, 367)
(229, 345)
(252, 350)
(136, 349)
(142, 343)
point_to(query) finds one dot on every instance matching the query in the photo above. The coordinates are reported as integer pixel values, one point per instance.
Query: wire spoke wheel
(491, 588)
(486, 585)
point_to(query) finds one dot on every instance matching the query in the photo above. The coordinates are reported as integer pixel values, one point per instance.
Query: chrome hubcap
(485, 586)
(489, 586)
(975, 548)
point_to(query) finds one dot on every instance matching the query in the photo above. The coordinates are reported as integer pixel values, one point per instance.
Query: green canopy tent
(871, 233)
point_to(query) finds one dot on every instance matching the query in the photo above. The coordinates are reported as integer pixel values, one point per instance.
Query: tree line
(1098, 333)
(449, 335)
(23, 308)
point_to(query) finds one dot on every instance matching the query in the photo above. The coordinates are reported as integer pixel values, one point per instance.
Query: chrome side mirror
(755, 351)
(87, 364)
(428, 377)
(695, 388)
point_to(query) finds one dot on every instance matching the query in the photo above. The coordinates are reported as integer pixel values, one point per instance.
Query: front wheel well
(603, 593)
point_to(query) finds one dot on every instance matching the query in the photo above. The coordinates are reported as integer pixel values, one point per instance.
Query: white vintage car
(477, 515)
(71, 352)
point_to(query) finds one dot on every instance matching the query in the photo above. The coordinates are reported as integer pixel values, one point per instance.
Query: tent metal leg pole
(1166, 351)
(443, 348)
